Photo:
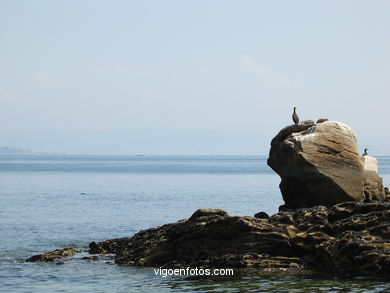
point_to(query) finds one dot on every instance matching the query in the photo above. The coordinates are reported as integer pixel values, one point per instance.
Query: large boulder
(318, 163)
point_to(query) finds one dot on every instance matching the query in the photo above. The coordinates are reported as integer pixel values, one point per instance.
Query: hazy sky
(189, 76)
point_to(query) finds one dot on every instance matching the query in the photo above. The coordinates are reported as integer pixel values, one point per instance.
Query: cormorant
(295, 117)
(365, 152)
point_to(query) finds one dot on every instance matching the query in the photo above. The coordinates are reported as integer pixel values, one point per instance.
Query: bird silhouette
(295, 117)
(365, 152)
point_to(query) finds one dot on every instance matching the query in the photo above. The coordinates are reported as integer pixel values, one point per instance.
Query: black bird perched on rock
(365, 152)
(295, 116)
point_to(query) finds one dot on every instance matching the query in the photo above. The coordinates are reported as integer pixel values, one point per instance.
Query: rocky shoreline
(349, 239)
(346, 240)
(336, 217)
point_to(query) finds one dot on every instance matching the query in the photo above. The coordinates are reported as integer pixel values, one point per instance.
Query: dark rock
(348, 209)
(387, 195)
(53, 255)
(208, 236)
(349, 239)
(359, 222)
(356, 253)
(285, 208)
(322, 120)
(108, 246)
(282, 218)
(263, 262)
(312, 219)
(261, 215)
(306, 228)
(319, 164)
(208, 212)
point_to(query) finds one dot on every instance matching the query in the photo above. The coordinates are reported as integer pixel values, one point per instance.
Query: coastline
(346, 240)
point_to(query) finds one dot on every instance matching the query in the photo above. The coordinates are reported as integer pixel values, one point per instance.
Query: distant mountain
(154, 141)
(14, 151)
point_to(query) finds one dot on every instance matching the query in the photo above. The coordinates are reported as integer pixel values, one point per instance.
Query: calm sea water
(50, 202)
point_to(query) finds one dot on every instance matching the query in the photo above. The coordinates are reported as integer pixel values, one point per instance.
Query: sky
(189, 77)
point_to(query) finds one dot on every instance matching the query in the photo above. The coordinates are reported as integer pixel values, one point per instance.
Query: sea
(55, 201)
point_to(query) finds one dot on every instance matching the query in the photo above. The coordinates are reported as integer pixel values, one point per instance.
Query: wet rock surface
(349, 239)
(208, 236)
(53, 255)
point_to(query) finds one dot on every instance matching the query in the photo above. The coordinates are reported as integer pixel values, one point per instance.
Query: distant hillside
(14, 151)
(157, 141)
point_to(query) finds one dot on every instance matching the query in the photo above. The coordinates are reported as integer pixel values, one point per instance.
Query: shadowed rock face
(373, 183)
(348, 239)
(318, 163)
(208, 236)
